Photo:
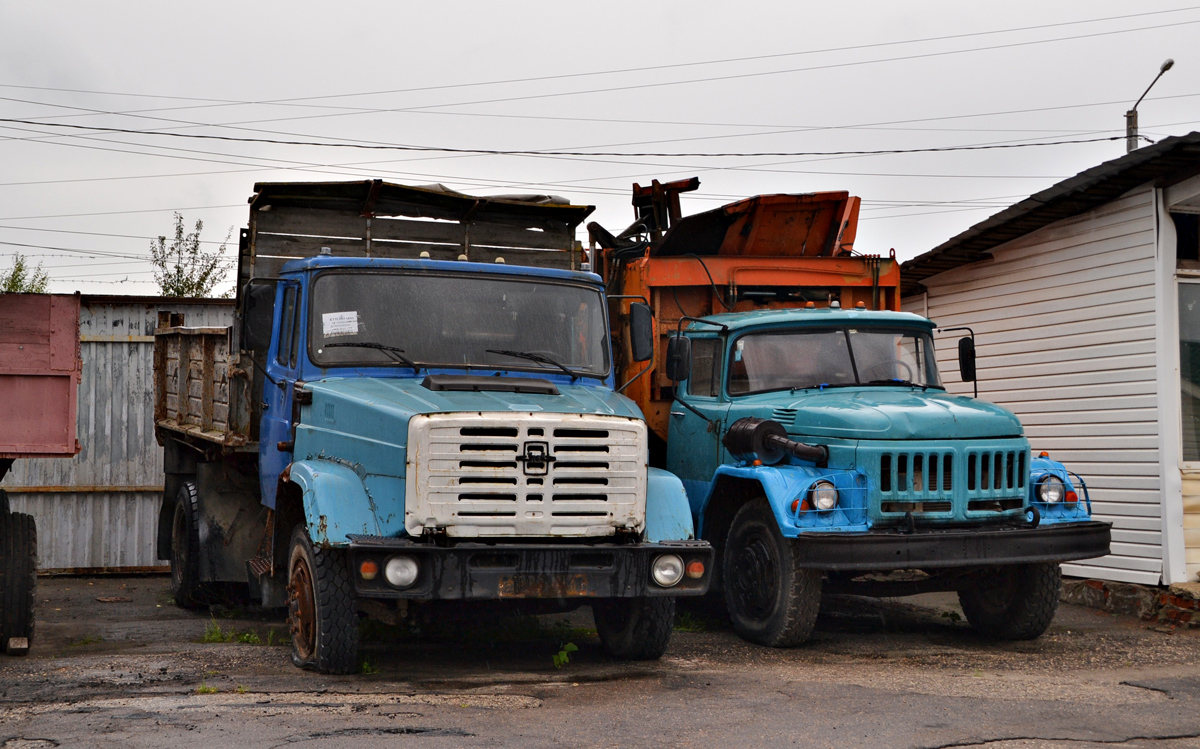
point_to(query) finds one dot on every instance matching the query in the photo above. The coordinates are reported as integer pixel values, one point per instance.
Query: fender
(784, 484)
(336, 502)
(1062, 512)
(668, 515)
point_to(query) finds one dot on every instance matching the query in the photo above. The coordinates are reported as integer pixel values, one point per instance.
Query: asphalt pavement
(116, 663)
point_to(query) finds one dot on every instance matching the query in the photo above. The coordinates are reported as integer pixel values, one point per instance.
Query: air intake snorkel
(751, 439)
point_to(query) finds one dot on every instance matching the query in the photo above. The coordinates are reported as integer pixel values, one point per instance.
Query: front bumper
(928, 548)
(477, 571)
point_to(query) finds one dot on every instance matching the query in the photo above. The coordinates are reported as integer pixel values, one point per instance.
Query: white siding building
(1082, 299)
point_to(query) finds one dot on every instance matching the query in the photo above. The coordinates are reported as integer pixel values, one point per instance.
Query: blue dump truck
(416, 407)
(809, 424)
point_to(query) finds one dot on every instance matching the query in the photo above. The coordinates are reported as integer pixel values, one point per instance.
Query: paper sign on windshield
(339, 323)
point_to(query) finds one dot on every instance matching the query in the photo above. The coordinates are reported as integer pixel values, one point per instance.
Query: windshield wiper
(540, 358)
(395, 354)
(897, 381)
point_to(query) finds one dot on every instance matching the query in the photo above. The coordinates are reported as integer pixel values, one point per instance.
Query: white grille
(471, 474)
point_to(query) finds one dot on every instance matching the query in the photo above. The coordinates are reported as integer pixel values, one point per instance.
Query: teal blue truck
(821, 452)
(415, 408)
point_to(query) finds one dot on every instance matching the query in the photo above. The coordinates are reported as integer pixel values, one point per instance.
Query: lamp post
(1131, 125)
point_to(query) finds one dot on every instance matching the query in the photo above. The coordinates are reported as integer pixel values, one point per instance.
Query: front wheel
(770, 600)
(322, 613)
(635, 629)
(1015, 602)
(18, 580)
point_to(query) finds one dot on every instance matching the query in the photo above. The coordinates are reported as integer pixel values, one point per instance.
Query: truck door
(282, 366)
(693, 436)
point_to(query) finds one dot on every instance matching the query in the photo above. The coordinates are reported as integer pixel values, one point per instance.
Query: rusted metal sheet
(99, 509)
(39, 374)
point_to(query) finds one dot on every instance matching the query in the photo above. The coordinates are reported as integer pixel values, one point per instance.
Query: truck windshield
(427, 320)
(831, 357)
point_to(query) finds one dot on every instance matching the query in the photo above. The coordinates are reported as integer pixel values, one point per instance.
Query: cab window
(706, 367)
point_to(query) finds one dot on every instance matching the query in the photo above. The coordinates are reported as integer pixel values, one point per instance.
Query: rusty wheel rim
(302, 615)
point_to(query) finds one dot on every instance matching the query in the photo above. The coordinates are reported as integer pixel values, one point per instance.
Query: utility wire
(536, 152)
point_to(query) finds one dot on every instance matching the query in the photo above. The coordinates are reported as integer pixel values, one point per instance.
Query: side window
(287, 329)
(706, 367)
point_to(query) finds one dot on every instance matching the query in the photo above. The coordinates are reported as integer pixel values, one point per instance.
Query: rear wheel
(770, 600)
(185, 548)
(635, 629)
(18, 580)
(322, 613)
(1014, 602)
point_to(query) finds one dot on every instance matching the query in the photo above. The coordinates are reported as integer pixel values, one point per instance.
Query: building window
(1187, 240)
(1189, 368)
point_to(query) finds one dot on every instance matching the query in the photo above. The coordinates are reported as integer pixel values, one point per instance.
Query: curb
(1174, 605)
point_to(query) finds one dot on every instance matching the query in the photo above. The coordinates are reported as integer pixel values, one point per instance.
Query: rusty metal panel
(100, 508)
(39, 373)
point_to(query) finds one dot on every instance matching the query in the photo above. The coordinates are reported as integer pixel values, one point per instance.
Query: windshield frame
(518, 365)
(930, 355)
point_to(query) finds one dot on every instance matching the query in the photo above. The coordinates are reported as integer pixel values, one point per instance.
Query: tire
(186, 586)
(1015, 602)
(771, 601)
(635, 629)
(322, 612)
(18, 581)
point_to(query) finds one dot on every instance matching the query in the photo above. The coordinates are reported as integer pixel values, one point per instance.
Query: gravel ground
(115, 662)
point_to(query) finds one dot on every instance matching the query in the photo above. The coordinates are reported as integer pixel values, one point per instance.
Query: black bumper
(475, 571)
(958, 547)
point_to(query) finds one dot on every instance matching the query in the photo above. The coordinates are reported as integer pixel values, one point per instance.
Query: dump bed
(39, 375)
(764, 252)
(208, 385)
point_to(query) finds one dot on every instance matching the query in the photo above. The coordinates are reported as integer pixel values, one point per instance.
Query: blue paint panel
(336, 502)
(1060, 512)
(668, 515)
(784, 484)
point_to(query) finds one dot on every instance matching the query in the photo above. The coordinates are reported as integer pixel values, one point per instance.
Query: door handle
(677, 413)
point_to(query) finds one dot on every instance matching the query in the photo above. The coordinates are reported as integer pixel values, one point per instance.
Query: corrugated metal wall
(100, 508)
(1065, 324)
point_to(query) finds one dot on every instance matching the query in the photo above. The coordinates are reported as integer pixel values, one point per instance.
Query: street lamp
(1131, 127)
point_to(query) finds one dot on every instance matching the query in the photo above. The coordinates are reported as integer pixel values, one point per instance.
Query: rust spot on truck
(322, 537)
(544, 586)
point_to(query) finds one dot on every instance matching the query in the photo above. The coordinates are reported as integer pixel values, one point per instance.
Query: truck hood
(404, 398)
(887, 413)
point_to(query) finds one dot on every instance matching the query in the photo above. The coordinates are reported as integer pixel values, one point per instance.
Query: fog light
(401, 572)
(823, 495)
(368, 570)
(667, 570)
(1051, 490)
(695, 569)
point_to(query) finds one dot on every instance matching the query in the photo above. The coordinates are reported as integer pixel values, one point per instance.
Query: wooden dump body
(208, 387)
(39, 375)
(764, 252)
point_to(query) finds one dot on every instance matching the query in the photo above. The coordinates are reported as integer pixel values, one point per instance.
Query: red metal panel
(39, 374)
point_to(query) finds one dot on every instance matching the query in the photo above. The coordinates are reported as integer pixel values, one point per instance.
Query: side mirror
(258, 312)
(641, 332)
(679, 358)
(966, 358)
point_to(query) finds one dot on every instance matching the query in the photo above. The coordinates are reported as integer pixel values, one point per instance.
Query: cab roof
(321, 262)
(818, 316)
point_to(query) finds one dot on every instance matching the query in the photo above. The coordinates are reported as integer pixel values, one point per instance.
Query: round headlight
(1051, 490)
(823, 496)
(667, 570)
(401, 572)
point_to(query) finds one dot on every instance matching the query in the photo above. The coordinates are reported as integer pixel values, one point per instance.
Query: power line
(296, 101)
(522, 152)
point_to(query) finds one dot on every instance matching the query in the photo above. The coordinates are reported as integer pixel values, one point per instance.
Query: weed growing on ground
(214, 633)
(277, 639)
(87, 640)
(249, 638)
(686, 621)
(366, 668)
(563, 656)
(205, 689)
(241, 689)
(953, 616)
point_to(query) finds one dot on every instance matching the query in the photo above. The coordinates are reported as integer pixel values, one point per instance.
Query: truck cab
(820, 446)
(382, 433)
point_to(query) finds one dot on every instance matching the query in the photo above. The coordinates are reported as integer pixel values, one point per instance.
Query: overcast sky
(620, 77)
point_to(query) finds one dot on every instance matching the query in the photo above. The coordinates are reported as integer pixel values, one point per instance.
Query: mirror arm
(974, 382)
(649, 366)
(692, 408)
